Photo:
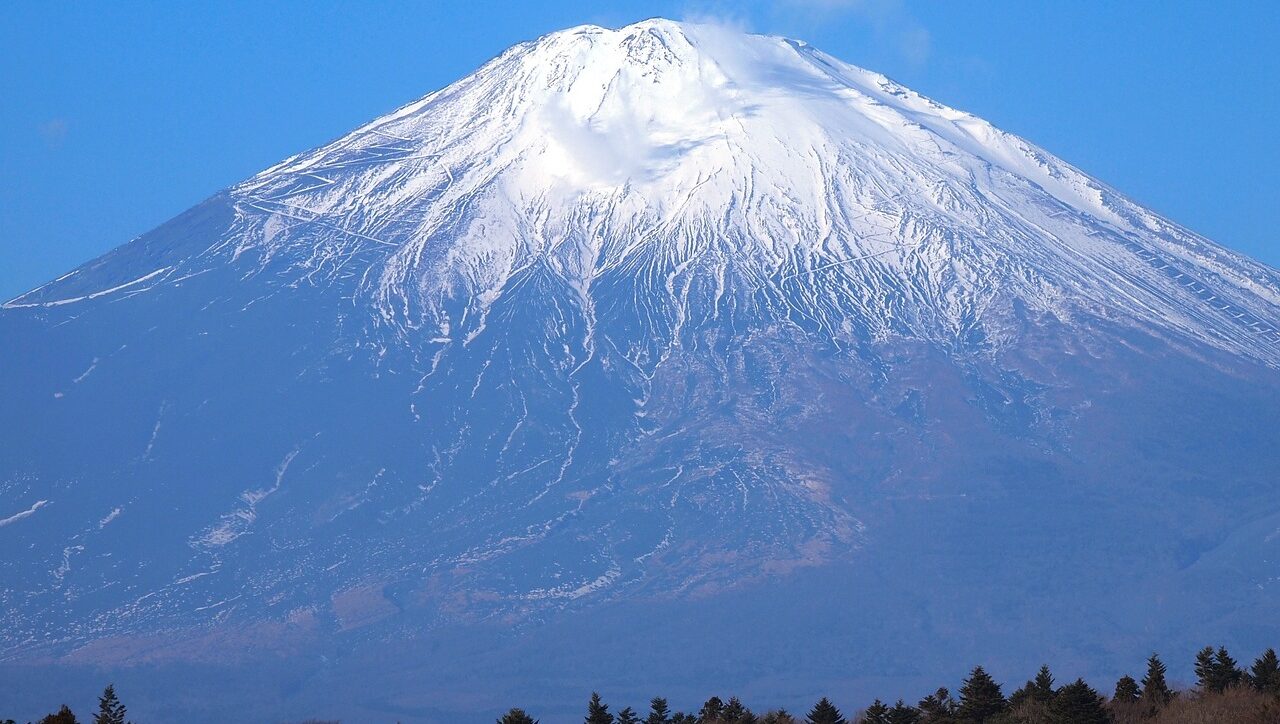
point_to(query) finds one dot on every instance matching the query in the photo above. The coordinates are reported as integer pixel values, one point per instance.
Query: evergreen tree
(110, 710)
(683, 718)
(712, 710)
(1021, 695)
(659, 712)
(938, 707)
(1226, 673)
(1265, 674)
(1078, 703)
(735, 712)
(877, 713)
(517, 716)
(628, 716)
(597, 711)
(1127, 690)
(1042, 686)
(980, 697)
(1039, 689)
(778, 716)
(1155, 689)
(63, 716)
(1217, 671)
(903, 714)
(1204, 668)
(824, 712)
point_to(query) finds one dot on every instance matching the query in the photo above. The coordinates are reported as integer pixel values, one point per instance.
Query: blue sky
(116, 116)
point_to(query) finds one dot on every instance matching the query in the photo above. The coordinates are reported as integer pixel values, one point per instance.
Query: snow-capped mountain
(632, 329)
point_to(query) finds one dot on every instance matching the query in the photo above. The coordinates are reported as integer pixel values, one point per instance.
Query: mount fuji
(658, 360)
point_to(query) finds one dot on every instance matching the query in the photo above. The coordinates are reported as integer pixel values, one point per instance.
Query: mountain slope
(658, 319)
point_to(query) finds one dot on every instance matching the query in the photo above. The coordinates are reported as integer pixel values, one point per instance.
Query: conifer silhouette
(980, 697)
(110, 710)
(597, 711)
(824, 712)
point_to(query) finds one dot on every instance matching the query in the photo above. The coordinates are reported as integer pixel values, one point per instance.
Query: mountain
(659, 360)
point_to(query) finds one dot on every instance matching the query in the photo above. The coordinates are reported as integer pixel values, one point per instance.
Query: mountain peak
(757, 159)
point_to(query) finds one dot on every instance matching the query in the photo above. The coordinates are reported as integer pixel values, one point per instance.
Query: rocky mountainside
(656, 339)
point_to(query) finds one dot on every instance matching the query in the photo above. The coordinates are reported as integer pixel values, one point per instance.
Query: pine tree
(877, 713)
(1204, 668)
(711, 711)
(64, 716)
(938, 707)
(1155, 689)
(659, 712)
(628, 716)
(1078, 703)
(1039, 689)
(1265, 674)
(1226, 673)
(110, 710)
(683, 718)
(517, 716)
(903, 714)
(1127, 690)
(1042, 686)
(824, 712)
(735, 712)
(980, 697)
(1217, 671)
(1021, 695)
(597, 711)
(778, 716)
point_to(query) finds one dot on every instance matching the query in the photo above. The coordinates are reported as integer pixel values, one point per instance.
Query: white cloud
(24, 514)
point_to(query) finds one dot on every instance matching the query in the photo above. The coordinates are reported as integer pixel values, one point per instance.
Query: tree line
(110, 711)
(1224, 692)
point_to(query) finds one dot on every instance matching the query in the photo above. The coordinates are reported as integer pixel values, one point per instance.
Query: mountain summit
(754, 160)
(631, 344)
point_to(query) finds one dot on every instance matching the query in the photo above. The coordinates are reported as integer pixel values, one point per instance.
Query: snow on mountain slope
(694, 149)
(643, 317)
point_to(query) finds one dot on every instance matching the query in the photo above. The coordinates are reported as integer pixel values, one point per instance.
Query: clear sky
(116, 116)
